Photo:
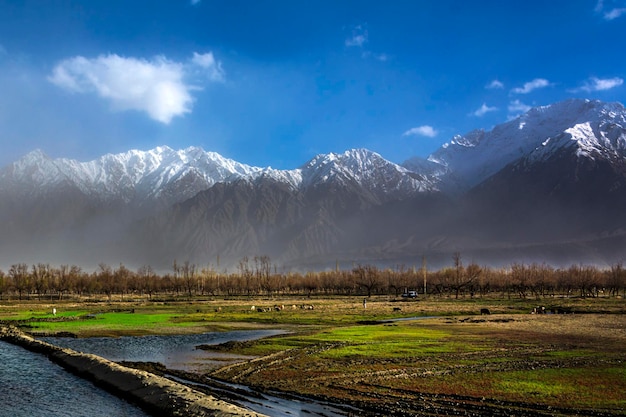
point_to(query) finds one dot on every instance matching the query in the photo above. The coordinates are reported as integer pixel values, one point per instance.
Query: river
(173, 351)
(179, 352)
(32, 386)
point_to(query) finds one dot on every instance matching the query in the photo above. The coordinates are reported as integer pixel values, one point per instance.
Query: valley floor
(407, 357)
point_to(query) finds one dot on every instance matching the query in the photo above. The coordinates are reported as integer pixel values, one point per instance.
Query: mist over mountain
(548, 186)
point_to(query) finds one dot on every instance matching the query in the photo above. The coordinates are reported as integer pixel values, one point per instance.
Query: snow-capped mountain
(140, 176)
(548, 186)
(368, 169)
(592, 126)
(130, 177)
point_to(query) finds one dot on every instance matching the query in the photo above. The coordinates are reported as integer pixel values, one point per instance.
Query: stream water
(32, 386)
(179, 352)
(173, 351)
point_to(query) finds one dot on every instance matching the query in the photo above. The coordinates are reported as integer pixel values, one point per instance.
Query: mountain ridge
(551, 176)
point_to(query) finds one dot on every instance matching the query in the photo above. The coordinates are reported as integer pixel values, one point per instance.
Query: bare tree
(520, 277)
(463, 277)
(4, 283)
(67, 278)
(209, 280)
(246, 274)
(82, 281)
(146, 280)
(263, 273)
(616, 279)
(188, 274)
(20, 278)
(41, 278)
(121, 279)
(367, 277)
(176, 277)
(105, 278)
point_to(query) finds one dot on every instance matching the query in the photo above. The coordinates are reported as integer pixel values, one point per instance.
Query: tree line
(257, 276)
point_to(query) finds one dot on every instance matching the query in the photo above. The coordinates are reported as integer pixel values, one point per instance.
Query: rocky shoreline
(156, 395)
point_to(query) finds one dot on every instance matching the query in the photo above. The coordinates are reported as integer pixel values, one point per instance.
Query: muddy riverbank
(155, 394)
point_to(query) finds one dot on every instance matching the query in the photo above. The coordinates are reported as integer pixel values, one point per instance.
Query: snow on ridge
(479, 154)
(364, 167)
(291, 177)
(133, 174)
(136, 176)
(593, 126)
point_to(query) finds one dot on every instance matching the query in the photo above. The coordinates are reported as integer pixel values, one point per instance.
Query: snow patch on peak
(583, 134)
(366, 169)
(293, 177)
(35, 155)
(33, 170)
(593, 125)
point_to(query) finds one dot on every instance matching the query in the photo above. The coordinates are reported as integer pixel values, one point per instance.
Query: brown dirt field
(561, 347)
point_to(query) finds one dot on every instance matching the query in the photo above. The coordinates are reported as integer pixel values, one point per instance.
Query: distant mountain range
(548, 186)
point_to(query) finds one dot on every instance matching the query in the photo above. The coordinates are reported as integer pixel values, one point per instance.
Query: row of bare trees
(258, 276)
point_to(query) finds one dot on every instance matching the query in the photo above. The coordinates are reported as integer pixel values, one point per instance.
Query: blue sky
(273, 83)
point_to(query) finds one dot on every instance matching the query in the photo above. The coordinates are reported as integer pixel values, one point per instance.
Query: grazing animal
(484, 311)
(397, 309)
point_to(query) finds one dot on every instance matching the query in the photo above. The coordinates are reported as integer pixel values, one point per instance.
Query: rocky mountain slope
(547, 186)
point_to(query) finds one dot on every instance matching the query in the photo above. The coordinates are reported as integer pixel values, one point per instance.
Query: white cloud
(611, 9)
(209, 65)
(358, 38)
(425, 130)
(484, 109)
(516, 108)
(531, 86)
(379, 57)
(157, 86)
(614, 13)
(599, 6)
(495, 85)
(599, 84)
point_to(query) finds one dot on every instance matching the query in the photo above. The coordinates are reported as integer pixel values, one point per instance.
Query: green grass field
(342, 350)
